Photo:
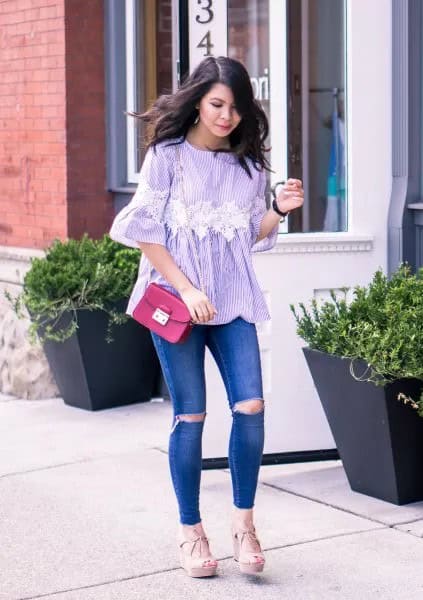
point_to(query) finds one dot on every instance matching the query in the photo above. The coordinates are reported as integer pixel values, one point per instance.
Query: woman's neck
(200, 137)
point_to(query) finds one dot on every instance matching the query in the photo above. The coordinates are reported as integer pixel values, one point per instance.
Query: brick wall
(90, 208)
(52, 138)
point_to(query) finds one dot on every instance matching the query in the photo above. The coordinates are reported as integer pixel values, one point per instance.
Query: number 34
(205, 41)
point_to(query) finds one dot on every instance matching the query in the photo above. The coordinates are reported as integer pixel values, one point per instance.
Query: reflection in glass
(248, 42)
(153, 64)
(316, 137)
(325, 154)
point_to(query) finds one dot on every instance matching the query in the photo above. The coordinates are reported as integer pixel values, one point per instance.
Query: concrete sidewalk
(87, 512)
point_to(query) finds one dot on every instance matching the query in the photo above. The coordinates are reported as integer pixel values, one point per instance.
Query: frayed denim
(234, 346)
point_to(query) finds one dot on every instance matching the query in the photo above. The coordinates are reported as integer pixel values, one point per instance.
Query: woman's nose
(226, 113)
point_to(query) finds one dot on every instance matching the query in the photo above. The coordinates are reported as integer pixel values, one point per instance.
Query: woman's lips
(224, 127)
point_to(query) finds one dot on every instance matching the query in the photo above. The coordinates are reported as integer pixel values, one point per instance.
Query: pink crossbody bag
(161, 311)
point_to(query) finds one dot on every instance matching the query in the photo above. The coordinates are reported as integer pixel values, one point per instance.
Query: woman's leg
(235, 349)
(183, 370)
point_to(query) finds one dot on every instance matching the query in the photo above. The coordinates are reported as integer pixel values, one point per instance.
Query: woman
(197, 214)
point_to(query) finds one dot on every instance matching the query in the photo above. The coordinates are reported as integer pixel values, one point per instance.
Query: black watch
(276, 209)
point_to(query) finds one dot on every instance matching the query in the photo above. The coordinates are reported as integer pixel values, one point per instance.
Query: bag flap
(158, 297)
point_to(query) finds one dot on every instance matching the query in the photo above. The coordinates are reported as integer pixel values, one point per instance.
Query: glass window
(149, 68)
(324, 118)
(420, 76)
(295, 53)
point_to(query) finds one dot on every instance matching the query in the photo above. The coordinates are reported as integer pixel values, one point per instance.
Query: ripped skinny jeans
(234, 347)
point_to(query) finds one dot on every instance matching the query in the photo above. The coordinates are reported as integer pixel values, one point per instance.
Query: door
(293, 51)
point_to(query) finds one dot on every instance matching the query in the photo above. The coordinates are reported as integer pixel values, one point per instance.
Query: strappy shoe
(195, 559)
(249, 561)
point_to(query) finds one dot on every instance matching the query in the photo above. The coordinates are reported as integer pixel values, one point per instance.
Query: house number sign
(208, 30)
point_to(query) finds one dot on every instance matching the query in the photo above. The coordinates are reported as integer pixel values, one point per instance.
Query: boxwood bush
(75, 275)
(382, 324)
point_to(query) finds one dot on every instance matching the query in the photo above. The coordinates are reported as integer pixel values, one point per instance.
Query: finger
(290, 195)
(289, 190)
(192, 315)
(211, 311)
(295, 193)
(201, 313)
(191, 311)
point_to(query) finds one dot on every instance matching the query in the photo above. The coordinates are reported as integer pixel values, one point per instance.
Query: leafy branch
(382, 325)
(75, 275)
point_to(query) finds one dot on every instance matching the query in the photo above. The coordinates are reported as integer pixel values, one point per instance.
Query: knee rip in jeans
(249, 407)
(188, 418)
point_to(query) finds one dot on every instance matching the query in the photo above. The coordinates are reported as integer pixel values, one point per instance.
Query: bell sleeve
(259, 209)
(142, 219)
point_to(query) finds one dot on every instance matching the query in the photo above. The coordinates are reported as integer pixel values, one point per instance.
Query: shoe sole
(200, 572)
(250, 568)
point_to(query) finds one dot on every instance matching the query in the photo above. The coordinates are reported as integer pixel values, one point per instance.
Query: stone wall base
(24, 371)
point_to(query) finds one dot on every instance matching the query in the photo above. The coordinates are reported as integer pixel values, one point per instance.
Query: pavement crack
(161, 450)
(36, 470)
(97, 585)
(409, 521)
(334, 506)
(324, 537)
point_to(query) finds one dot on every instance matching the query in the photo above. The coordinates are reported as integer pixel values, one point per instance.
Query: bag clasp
(160, 316)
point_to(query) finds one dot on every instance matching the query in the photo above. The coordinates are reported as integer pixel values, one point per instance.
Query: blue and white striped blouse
(224, 208)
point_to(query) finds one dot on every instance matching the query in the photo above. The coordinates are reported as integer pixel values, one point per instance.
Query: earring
(197, 118)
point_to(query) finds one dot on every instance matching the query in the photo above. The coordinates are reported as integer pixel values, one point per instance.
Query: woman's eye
(220, 106)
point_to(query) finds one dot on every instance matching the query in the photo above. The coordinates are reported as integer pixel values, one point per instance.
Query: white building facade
(334, 77)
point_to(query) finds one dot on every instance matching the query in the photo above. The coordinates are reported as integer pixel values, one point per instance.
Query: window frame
(120, 173)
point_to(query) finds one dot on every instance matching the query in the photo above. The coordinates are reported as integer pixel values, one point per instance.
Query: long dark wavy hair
(172, 115)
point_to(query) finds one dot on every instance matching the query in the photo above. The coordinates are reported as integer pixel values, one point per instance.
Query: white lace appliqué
(200, 217)
(152, 201)
(203, 217)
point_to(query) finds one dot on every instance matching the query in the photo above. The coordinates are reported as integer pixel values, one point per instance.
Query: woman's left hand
(291, 195)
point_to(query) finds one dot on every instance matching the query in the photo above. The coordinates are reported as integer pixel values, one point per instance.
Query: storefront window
(419, 8)
(295, 53)
(149, 68)
(248, 42)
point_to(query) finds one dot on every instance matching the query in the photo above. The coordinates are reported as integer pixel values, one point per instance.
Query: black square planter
(94, 374)
(379, 439)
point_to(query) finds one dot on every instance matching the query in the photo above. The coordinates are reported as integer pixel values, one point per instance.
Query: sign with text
(208, 30)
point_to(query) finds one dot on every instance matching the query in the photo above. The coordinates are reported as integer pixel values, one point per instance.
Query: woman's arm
(268, 223)
(163, 262)
(289, 198)
(199, 306)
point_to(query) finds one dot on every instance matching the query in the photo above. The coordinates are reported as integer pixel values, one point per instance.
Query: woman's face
(217, 111)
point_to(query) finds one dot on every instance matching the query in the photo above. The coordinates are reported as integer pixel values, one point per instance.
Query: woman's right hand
(199, 306)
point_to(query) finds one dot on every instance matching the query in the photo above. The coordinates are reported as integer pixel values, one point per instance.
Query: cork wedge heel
(195, 557)
(249, 562)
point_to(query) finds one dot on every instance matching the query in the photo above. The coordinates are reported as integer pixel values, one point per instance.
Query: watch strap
(276, 209)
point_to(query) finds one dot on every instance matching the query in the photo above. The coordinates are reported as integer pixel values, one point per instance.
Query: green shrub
(75, 275)
(383, 325)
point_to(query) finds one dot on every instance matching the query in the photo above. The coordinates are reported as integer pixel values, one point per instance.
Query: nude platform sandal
(249, 562)
(195, 558)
